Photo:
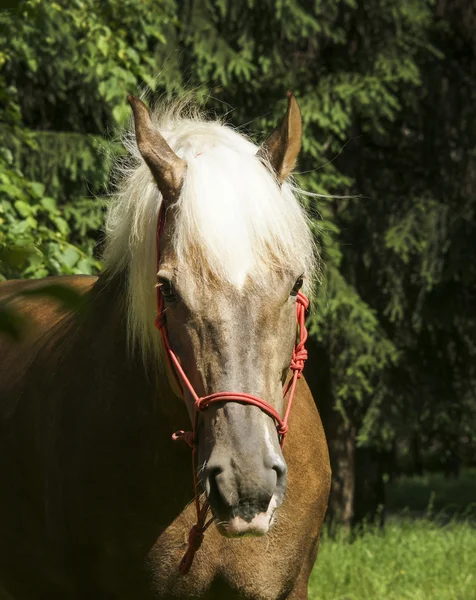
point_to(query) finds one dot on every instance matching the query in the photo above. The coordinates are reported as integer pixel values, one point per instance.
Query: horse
(97, 499)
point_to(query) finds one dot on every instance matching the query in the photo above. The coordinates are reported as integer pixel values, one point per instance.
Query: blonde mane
(231, 208)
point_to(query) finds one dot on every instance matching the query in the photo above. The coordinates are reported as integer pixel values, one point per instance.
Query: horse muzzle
(244, 489)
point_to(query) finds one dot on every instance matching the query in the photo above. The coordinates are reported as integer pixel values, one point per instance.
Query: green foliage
(61, 91)
(34, 235)
(89, 56)
(349, 328)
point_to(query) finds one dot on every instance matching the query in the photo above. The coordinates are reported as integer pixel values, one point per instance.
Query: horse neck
(114, 419)
(86, 389)
(106, 330)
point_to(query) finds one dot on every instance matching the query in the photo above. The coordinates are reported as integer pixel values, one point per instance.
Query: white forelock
(230, 206)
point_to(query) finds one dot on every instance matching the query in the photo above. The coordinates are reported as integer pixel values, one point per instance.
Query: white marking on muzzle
(259, 525)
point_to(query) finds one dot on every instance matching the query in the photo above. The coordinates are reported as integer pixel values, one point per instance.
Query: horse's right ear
(282, 147)
(167, 168)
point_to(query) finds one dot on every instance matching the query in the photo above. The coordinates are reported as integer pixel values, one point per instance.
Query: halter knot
(298, 360)
(303, 300)
(201, 403)
(195, 537)
(185, 436)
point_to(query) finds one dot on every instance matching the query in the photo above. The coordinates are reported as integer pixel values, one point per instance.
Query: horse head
(234, 251)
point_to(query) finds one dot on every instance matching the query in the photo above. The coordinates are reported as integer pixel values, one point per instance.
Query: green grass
(409, 559)
(432, 557)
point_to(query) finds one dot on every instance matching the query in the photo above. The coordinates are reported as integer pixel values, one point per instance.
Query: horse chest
(254, 568)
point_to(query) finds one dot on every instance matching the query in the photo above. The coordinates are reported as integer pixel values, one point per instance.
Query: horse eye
(167, 290)
(298, 285)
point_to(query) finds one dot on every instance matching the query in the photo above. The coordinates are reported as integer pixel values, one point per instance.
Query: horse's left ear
(167, 168)
(282, 147)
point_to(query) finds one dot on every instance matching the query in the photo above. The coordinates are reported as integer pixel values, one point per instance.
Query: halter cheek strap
(299, 356)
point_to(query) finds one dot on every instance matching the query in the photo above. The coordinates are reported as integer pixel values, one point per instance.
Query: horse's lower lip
(238, 527)
(259, 525)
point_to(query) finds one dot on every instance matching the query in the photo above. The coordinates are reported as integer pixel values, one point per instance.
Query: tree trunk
(417, 459)
(341, 439)
(369, 497)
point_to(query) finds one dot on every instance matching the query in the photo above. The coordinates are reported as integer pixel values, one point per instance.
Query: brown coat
(95, 499)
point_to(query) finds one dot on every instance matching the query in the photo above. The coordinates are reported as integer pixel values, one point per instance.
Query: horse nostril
(280, 469)
(244, 488)
(212, 474)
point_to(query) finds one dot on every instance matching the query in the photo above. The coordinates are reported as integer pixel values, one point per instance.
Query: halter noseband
(202, 403)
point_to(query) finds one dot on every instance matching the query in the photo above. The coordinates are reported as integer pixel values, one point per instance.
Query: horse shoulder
(38, 315)
(39, 311)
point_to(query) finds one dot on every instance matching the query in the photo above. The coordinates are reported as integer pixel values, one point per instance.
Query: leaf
(85, 266)
(70, 256)
(23, 208)
(103, 45)
(133, 55)
(120, 113)
(61, 224)
(49, 204)
(7, 155)
(38, 188)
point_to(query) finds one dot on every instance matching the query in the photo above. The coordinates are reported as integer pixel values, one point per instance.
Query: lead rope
(196, 534)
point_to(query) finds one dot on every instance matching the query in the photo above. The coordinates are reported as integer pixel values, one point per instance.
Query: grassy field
(430, 557)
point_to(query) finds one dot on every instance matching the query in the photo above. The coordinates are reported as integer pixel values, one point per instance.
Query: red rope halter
(299, 356)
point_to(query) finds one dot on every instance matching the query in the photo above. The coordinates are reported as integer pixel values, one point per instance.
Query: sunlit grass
(409, 559)
(432, 557)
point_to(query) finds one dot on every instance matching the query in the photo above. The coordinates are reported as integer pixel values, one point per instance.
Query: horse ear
(282, 147)
(166, 167)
